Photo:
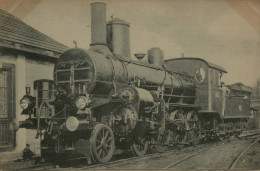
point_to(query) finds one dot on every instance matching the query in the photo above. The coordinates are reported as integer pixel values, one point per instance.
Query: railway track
(95, 166)
(233, 165)
(247, 134)
(170, 166)
(121, 162)
(187, 157)
(114, 163)
(250, 133)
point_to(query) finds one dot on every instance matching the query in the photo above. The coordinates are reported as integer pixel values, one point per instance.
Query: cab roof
(210, 65)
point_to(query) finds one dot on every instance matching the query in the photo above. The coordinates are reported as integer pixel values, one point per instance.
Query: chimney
(98, 24)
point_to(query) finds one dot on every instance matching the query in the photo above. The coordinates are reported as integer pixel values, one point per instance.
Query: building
(25, 55)
(255, 104)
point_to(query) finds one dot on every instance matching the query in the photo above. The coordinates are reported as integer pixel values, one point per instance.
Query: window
(216, 77)
(219, 79)
(212, 76)
(3, 94)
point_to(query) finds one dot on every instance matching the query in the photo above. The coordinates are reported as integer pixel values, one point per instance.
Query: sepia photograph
(129, 85)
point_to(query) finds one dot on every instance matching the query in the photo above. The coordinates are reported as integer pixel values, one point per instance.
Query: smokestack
(98, 24)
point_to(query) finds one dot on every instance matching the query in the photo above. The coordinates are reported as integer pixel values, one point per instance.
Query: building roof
(240, 87)
(12, 29)
(211, 65)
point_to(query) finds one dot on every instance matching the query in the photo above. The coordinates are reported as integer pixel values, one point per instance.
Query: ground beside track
(217, 157)
(251, 158)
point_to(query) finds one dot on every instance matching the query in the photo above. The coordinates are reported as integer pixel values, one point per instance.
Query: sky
(223, 32)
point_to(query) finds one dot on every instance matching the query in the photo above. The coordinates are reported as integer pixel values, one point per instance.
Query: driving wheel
(194, 126)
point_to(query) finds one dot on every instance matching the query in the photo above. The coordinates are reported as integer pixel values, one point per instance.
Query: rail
(189, 156)
(234, 164)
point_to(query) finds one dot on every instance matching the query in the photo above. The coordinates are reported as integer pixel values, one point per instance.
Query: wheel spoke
(105, 150)
(140, 147)
(109, 139)
(106, 134)
(99, 135)
(100, 152)
(98, 147)
(103, 153)
(103, 133)
(137, 146)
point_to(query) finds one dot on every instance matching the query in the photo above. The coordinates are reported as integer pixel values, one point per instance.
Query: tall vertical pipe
(98, 24)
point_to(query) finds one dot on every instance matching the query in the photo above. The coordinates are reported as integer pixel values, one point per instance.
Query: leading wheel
(102, 143)
(139, 147)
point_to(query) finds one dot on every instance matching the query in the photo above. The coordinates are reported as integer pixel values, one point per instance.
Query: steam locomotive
(101, 100)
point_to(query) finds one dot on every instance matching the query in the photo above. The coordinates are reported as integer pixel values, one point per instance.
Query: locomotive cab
(224, 108)
(208, 96)
(208, 80)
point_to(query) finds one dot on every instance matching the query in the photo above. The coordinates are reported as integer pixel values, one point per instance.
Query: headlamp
(72, 123)
(82, 101)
